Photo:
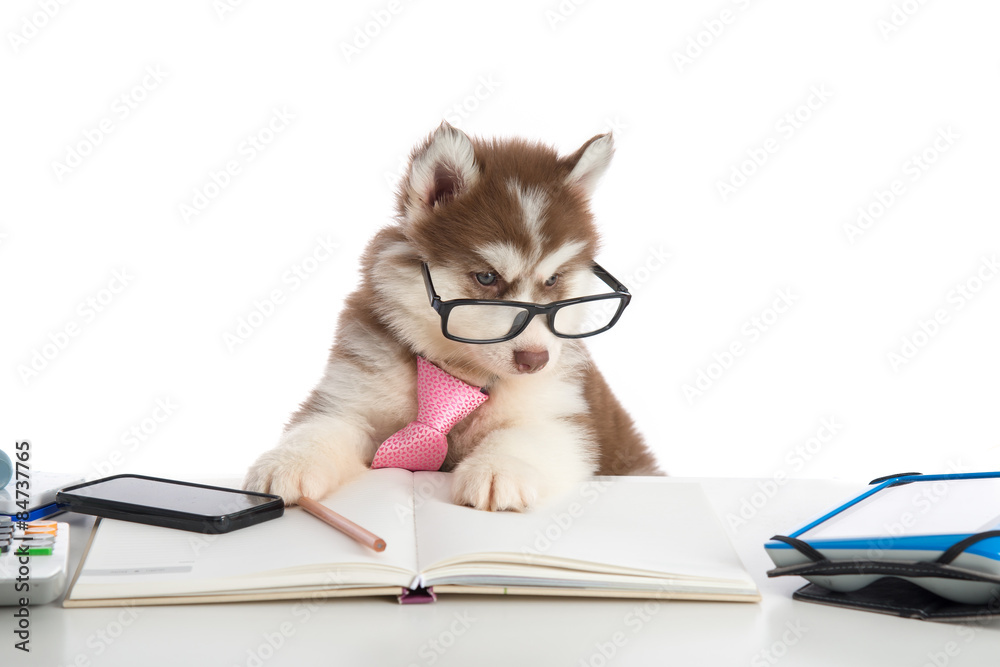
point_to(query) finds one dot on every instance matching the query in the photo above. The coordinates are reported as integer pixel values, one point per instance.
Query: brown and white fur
(467, 207)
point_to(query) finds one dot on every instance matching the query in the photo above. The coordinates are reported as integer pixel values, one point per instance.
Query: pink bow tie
(442, 401)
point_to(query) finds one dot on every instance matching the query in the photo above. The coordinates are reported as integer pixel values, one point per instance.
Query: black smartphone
(166, 502)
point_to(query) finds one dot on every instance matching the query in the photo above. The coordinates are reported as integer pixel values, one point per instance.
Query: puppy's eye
(488, 278)
(552, 281)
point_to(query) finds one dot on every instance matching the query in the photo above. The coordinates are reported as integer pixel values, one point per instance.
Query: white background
(681, 128)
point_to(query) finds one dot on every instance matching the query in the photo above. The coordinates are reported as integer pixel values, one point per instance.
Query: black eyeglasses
(494, 321)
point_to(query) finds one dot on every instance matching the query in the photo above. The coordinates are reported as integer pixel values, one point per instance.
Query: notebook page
(653, 524)
(296, 546)
(940, 507)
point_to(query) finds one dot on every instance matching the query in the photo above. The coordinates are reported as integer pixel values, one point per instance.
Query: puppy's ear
(589, 162)
(441, 169)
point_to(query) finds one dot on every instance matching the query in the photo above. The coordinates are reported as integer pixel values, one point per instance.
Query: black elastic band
(803, 548)
(879, 480)
(957, 548)
(890, 568)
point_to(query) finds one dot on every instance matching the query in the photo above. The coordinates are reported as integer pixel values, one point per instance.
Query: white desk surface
(485, 630)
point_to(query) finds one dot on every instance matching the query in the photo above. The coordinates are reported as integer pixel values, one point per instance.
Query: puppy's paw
(496, 482)
(290, 477)
(298, 467)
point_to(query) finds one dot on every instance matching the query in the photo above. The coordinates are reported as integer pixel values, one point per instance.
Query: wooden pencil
(347, 527)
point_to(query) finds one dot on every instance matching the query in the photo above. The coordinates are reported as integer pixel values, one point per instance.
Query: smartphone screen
(171, 503)
(171, 497)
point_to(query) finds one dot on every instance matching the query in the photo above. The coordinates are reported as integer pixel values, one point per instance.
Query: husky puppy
(492, 219)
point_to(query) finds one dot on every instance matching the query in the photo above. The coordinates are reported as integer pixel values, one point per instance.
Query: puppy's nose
(529, 361)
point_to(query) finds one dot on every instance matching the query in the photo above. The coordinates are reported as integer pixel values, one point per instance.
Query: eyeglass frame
(444, 308)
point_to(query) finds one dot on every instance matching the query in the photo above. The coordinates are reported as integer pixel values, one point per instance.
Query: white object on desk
(461, 630)
(906, 520)
(45, 579)
(611, 537)
(41, 493)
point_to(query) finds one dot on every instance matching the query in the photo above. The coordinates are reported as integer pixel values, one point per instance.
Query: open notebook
(612, 537)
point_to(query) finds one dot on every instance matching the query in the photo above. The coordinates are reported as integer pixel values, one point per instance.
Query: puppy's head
(500, 220)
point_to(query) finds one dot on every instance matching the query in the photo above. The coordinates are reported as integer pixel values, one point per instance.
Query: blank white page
(921, 508)
(137, 554)
(644, 523)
